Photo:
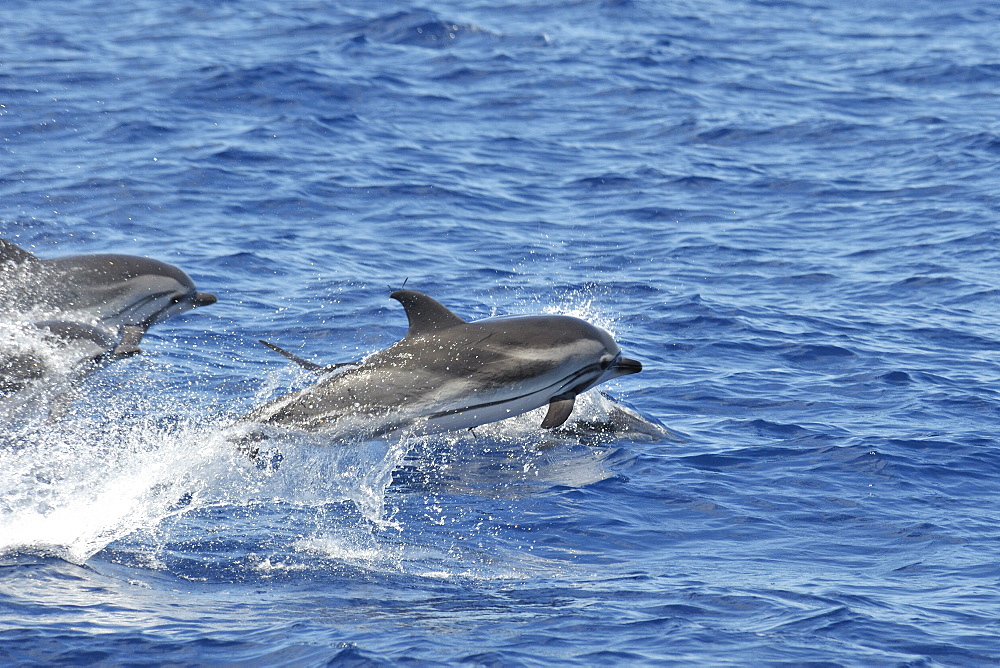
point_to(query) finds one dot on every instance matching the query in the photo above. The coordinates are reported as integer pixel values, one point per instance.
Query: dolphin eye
(606, 362)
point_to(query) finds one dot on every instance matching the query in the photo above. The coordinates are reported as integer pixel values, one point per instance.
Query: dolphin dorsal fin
(10, 252)
(425, 314)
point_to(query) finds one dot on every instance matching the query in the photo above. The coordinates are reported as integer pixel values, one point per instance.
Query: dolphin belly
(476, 415)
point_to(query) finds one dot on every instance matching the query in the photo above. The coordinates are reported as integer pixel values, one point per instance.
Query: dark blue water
(786, 210)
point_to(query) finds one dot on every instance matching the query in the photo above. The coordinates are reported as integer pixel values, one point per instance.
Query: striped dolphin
(80, 312)
(123, 294)
(449, 374)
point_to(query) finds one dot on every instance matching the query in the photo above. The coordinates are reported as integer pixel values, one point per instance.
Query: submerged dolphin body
(106, 290)
(83, 348)
(449, 374)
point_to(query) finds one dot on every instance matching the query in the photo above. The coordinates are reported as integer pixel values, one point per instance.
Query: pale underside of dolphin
(448, 374)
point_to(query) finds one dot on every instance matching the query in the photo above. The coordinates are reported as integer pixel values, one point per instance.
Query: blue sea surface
(786, 209)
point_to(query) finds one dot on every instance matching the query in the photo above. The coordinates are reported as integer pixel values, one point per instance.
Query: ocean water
(787, 210)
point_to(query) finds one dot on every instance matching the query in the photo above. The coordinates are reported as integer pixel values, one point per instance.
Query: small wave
(242, 155)
(129, 132)
(950, 338)
(818, 354)
(942, 72)
(608, 181)
(419, 28)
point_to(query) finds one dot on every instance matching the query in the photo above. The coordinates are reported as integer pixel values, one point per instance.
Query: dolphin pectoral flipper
(560, 408)
(128, 344)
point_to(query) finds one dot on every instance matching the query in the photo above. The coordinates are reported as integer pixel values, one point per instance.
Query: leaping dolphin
(449, 374)
(104, 289)
(92, 309)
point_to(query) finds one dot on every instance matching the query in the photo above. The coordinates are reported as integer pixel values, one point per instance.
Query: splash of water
(71, 488)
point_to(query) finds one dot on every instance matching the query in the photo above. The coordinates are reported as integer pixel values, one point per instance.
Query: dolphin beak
(203, 299)
(625, 366)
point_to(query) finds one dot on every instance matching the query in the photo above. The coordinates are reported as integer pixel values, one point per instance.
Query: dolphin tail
(560, 408)
(304, 363)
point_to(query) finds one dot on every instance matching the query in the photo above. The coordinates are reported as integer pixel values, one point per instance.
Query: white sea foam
(71, 488)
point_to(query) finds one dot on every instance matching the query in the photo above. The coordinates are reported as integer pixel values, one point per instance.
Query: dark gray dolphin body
(449, 374)
(107, 290)
(90, 310)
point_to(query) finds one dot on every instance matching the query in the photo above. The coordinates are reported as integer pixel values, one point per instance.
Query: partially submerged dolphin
(109, 290)
(449, 374)
(90, 310)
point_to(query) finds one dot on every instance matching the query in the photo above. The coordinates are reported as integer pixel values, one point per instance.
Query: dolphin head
(609, 358)
(126, 289)
(583, 354)
(573, 356)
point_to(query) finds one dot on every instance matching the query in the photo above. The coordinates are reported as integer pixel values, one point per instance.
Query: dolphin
(449, 374)
(91, 310)
(103, 289)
